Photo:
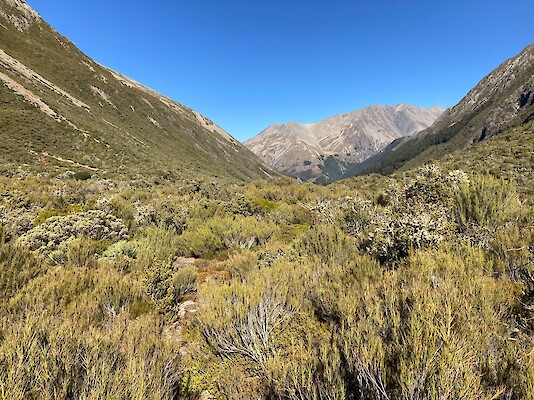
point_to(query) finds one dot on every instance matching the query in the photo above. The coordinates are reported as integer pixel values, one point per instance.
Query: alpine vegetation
(146, 254)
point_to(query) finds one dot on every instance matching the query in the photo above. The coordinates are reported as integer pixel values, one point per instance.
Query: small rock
(183, 351)
(184, 261)
(205, 395)
(187, 308)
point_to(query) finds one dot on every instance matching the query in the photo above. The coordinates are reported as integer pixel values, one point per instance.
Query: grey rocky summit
(324, 150)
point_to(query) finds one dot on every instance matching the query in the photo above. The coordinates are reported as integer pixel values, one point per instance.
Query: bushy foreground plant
(43, 357)
(413, 216)
(486, 202)
(18, 267)
(167, 285)
(68, 332)
(218, 234)
(436, 328)
(56, 231)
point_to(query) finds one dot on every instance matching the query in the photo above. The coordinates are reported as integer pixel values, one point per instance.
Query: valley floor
(419, 285)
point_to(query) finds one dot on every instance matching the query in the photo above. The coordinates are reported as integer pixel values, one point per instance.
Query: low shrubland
(418, 286)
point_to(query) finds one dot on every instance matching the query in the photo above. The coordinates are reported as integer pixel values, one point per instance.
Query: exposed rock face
(512, 84)
(24, 17)
(503, 99)
(60, 107)
(321, 151)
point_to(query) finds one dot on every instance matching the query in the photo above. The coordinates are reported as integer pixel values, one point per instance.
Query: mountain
(325, 150)
(59, 107)
(502, 100)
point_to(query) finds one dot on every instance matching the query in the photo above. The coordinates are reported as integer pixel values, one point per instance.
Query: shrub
(167, 285)
(184, 282)
(240, 262)
(328, 244)
(80, 252)
(16, 222)
(56, 231)
(174, 217)
(18, 267)
(15, 199)
(129, 359)
(122, 248)
(247, 326)
(487, 202)
(303, 292)
(416, 215)
(144, 215)
(82, 175)
(263, 205)
(220, 234)
(44, 215)
(392, 236)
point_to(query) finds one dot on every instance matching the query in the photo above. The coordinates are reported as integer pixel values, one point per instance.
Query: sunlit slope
(60, 107)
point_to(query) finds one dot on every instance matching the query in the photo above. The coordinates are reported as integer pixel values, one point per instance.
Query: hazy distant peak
(307, 150)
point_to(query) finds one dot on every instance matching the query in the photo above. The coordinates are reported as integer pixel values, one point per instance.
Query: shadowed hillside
(503, 99)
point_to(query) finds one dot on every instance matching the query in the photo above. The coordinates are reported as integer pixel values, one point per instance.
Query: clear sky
(247, 64)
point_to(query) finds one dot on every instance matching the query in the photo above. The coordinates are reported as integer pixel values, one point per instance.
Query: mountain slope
(60, 107)
(503, 99)
(324, 150)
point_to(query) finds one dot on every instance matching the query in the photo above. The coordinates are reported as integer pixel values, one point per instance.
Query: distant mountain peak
(322, 151)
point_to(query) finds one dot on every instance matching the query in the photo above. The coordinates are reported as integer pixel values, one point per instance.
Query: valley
(146, 254)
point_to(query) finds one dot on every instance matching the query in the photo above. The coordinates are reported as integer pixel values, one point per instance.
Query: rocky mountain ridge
(501, 100)
(23, 18)
(321, 151)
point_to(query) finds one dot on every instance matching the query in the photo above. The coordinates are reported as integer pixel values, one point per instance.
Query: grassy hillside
(506, 156)
(58, 107)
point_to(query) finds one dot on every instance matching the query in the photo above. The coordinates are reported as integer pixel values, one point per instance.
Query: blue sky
(248, 64)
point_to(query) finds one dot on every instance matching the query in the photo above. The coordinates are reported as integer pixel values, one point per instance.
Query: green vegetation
(151, 281)
(121, 128)
(82, 175)
(417, 285)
